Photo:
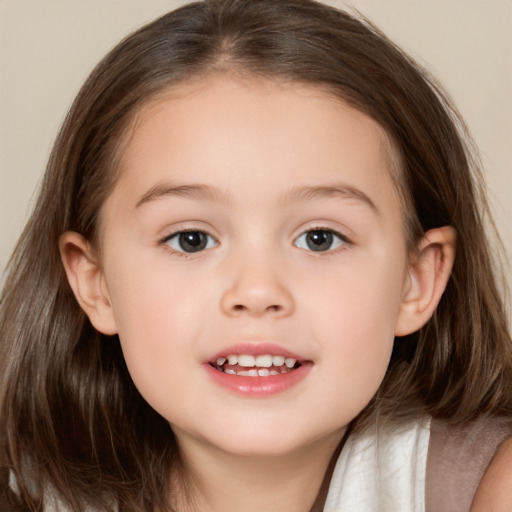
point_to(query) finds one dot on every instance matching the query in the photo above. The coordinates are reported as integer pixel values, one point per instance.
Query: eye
(190, 241)
(320, 240)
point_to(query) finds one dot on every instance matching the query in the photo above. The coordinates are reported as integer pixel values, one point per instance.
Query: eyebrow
(338, 190)
(170, 190)
(206, 192)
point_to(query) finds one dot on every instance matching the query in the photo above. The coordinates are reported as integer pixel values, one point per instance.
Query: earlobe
(86, 279)
(429, 271)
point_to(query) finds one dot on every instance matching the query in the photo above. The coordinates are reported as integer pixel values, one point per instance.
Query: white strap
(382, 470)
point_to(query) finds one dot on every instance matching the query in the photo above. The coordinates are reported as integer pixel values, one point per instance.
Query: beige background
(47, 48)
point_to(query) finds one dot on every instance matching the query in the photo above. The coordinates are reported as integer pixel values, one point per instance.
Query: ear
(429, 271)
(86, 279)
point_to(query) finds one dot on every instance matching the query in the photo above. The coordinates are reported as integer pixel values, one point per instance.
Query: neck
(222, 482)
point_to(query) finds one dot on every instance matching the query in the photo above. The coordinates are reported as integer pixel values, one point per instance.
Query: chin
(263, 441)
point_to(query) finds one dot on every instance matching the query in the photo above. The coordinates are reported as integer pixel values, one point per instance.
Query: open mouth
(255, 366)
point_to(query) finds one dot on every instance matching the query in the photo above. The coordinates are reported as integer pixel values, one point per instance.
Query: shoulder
(494, 492)
(460, 459)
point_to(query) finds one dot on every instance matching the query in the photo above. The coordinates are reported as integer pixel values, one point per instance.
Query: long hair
(71, 418)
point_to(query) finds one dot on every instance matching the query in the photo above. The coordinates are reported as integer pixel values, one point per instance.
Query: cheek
(362, 298)
(355, 317)
(156, 315)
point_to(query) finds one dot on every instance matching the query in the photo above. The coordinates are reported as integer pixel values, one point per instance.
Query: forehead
(248, 133)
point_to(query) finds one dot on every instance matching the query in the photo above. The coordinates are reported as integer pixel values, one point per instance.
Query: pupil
(192, 241)
(319, 240)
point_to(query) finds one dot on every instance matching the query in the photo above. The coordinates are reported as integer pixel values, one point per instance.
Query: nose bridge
(256, 285)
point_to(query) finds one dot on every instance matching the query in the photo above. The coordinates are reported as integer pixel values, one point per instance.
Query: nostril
(256, 300)
(275, 308)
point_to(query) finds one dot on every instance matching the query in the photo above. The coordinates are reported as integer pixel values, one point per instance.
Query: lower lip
(259, 386)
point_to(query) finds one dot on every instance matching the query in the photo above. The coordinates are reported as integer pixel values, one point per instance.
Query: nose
(255, 289)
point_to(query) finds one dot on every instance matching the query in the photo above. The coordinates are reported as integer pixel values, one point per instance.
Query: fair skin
(293, 247)
(494, 494)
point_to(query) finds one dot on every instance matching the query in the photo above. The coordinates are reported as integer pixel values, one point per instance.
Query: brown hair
(71, 418)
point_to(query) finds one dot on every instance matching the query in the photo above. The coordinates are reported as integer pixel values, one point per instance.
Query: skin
(255, 146)
(494, 494)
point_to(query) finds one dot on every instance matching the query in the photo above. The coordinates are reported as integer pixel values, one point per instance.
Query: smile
(245, 365)
(257, 370)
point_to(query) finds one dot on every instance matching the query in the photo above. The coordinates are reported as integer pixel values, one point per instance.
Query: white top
(382, 470)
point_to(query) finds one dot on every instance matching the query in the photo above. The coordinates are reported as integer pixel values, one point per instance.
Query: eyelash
(207, 241)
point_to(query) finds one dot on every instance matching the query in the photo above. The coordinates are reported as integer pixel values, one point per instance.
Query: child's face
(293, 246)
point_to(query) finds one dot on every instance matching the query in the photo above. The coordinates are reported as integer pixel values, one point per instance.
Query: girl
(256, 278)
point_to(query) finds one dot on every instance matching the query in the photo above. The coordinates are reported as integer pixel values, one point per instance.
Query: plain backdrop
(48, 47)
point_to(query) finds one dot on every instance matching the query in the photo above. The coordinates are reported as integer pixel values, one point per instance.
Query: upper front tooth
(246, 361)
(264, 361)
(290, 362)
(232, 359)
(278, 360)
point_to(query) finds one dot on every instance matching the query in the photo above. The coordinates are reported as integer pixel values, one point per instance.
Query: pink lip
(258, 387)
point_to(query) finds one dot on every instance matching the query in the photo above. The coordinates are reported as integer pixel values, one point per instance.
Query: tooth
(232, 360)
(248, 373)
(221, 360)
(278, 360)
(229, 371)
(245, 361)
(273, 372)
(264, 361)
(263, 372)
(290, 362)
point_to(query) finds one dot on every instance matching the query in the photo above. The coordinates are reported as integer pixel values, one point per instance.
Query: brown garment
(457, 460)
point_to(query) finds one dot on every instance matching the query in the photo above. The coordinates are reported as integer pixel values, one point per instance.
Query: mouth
(257, 369)
(264, 365)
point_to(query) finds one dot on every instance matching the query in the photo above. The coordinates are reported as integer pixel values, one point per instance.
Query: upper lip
(256, 348)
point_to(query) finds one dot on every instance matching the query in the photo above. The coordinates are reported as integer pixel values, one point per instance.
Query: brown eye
(190, 241)
(320, 240)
